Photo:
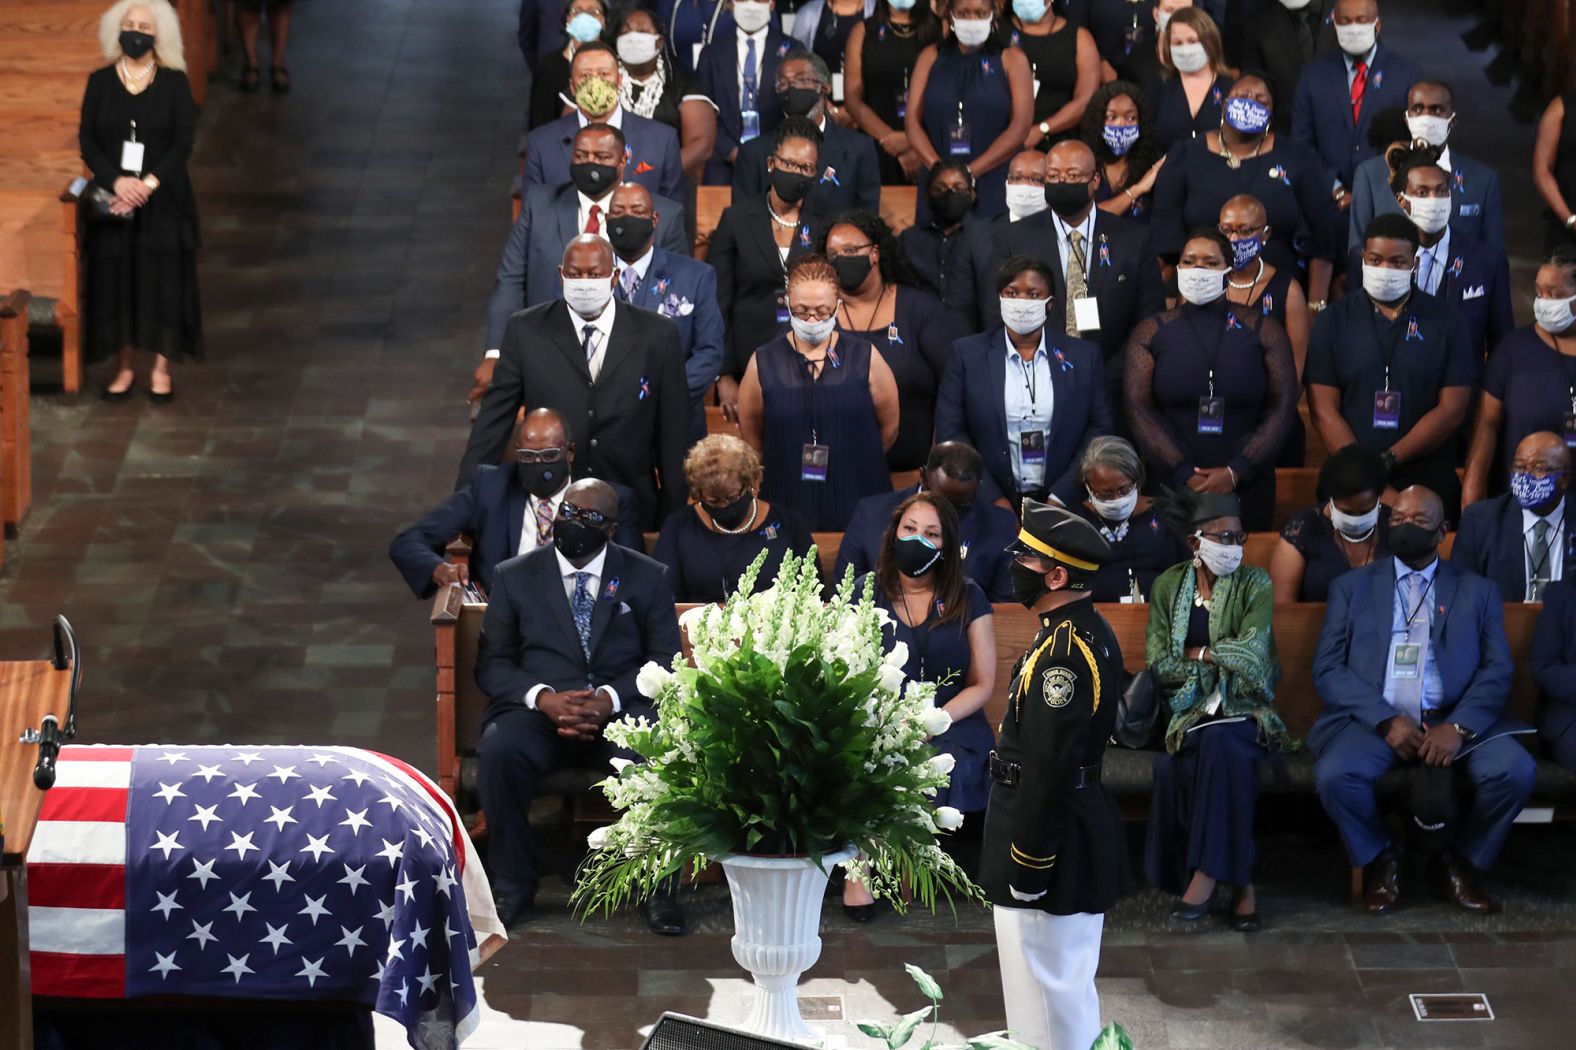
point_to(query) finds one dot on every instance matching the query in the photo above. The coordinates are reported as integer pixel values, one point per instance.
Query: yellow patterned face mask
(596, 97)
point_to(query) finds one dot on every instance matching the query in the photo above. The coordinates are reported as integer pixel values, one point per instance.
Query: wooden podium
(31, 692)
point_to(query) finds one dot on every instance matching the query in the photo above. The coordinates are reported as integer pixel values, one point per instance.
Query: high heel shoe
(1243, 922)
(860, 913)
(1190, 913)
(161, 399)
(113, 396)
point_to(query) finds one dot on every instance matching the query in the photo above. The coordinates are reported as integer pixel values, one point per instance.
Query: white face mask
(1222, 559)
(1189, 58)
(587, 296)
(813, 333)
(1354, 527)
(1162, 19)
(1025, 200)
(1199, 286)
(1023, 315)
(1358, 38)
(971, 32)
(1114, 509)
(1433, 130)
(637, 48)
(1295, 5)
(751, 16)
(1429, 214)
(1553, 315)
(1384, 284)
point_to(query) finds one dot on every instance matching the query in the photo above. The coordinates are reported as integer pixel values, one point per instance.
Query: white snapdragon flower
(948, 819)
(936, 721)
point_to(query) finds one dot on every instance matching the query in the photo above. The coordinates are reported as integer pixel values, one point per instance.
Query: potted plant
(793, 742)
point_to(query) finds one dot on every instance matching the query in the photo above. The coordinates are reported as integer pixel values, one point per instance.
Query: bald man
(614, 371)
(1525, 539)
(1414, 671)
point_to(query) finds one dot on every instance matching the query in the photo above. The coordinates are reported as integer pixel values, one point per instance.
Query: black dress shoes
(1190, 913)
(114, 396)
(1465, 889)
(514, 905)
(664, 915)
(1382, 893)
(1243, 921)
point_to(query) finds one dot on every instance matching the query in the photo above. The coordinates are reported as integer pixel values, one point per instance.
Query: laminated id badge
(1387, 410)
(812, 462)
(131, 153)
(1570, 430)
(1406, 660)
(1211, 415)
(958, 140)
(1031, 446)
(751, 120)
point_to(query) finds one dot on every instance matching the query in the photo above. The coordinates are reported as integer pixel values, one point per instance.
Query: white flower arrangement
(791, 730)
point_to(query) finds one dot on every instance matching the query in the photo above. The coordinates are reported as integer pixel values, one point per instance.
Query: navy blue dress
(705, 566)
(935, 652)
(1145, 550)
(1536, 384)
(834, 409)
(979, 82)
(1272, 303)
(1289, 180)
(915, 346)
(1174, 123)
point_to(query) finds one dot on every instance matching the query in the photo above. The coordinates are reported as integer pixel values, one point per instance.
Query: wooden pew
(16, 460)
(39, 252)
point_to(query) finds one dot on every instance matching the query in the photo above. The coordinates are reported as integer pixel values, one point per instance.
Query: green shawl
(1241, 644)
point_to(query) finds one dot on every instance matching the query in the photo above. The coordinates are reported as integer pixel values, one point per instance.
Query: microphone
(48, 751)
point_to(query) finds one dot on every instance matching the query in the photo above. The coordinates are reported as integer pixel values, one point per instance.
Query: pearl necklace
(1251, 284)
(754, 500)
(778, 219)
(135, 78)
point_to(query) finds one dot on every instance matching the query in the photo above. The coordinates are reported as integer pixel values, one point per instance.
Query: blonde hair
(168, 50)
(721, 458)
(1199, 21)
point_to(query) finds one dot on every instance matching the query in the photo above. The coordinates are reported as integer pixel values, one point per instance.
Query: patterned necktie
(627, 282)
(748, 101)
(1359, 85)
(580, 606)
(594, 219)
(1409, 691)
(1077, 281)
(1538, 555)
(544, 522)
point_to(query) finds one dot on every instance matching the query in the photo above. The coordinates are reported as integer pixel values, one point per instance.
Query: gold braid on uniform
(1074, 638)
(1027, 861)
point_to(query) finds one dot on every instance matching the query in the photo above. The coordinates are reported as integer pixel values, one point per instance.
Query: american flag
(259, 873)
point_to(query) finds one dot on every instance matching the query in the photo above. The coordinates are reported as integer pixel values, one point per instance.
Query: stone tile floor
(223, 561)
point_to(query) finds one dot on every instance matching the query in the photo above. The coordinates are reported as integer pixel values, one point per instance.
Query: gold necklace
(1232, 161)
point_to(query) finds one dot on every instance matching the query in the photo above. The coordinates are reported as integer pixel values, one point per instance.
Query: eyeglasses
(1026, 180)
(801, 81)
(788, 165)
(541, 455)
(1230, 539)
(813, 315)
(1068, 176)
(569, 512)
(1112, 495)
(1240, 231)
(850, 252)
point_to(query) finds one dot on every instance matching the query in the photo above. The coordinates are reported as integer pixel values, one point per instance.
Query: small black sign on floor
(1456, 1006)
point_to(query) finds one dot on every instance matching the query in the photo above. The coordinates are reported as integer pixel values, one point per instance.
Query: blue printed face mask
(1532, 491)
(1243, 252)
(1120, 137)
(584, 27)
(1247, 115)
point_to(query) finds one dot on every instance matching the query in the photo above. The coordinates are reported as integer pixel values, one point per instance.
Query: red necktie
(594, 219)
(1359, 85)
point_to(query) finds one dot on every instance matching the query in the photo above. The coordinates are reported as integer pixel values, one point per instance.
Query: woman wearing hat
(1213, 653)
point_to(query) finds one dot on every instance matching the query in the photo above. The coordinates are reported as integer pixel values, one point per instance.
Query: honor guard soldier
(1055, 855)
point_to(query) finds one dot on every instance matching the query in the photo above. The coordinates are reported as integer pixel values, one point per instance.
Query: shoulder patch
(1057, 686)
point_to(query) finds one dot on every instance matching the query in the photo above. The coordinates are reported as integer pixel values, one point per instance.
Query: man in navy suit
(850, 171)
(1525, 538)
(737, 72)
(549, 219)
(677, 286)
(506, 510)
(651, 149)
(1475, 208)
(567, 629)
(1413, 667)
(1339, 93)
(1280, 41)
(952, 471)
(1553, 660)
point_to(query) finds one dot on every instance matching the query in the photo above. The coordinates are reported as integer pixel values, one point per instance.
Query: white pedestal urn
(776, 934)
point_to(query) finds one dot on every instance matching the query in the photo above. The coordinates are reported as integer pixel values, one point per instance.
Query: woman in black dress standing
(1212, 387)
(1194, 78)
(707, 546)
(137, 125)
(913, 331)
(1346, 531)
(881, 53)
(1065, 65)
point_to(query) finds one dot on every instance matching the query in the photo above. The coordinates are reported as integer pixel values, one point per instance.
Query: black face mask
(733, 515)
(630, 234)
(950, 206)
(1027, 585)
(576, 539)
(593, 180)
(1412, 542)
(790, 185)
(851, 270)
(1066, 198)
(542, 479)
(135, 44)
(799, 101)
(914, 558)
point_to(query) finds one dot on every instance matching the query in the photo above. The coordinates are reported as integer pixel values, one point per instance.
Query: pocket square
(1470, 209)
(623, 607)
(643, 167)
(1475, 292)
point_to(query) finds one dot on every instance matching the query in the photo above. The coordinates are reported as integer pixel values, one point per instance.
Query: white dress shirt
(1087, 229)
(760, 62)
(1554, 570)
(614, 119)
(594, 585)
(1026, 412)
(1432, 263)
(640, 265)
(583, 211)
(529, 540)
(603, 323)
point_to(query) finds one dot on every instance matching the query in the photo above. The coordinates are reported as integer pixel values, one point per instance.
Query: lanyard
(1555, 536)
(1388, 343)
(1187, 317)
(1421, 601)
(1031, 378)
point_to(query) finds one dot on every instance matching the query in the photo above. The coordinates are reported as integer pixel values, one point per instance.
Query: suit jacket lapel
(608, 598)
(761, 234)
(1444, 599)
(1384, 596)
(620, 343)
(561, 327)
(566, 210)
(558, 610)
(1092, 265)
(997, 359)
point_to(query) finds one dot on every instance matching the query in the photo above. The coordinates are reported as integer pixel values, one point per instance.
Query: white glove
(1017, 896)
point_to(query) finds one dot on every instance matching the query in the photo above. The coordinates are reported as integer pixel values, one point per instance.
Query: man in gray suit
(550, 217)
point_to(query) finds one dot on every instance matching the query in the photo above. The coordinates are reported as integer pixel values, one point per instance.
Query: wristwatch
(1318, 305)
(1045, 129)
(1466, 734)
(1570, 223)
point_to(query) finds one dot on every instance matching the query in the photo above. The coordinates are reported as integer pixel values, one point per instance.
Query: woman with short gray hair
(1111, 474)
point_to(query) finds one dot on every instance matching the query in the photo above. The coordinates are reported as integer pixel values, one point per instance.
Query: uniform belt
(1007, 773)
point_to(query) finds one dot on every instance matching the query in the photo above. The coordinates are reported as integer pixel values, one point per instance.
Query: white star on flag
(165, 964)
(320, 795)
(423, 834)
(322, 760)
(394, 949)
(241, 844)
(357, 819)
(206, 815)
(200, 933)
(391, 850)
(166, 905)
(317, 845)
(244, 792)
(276, 937)
(207, 773)
(280, 817)
(169, 792)
(278, 874)
(203, 871)
(404, 990)
(173, 757)
(239, 905)
(350, 941)
(311, 970)
(357, 775)
(408, 888)
(238, 966)
(428, 980)
(418, 935)
(314, 908)
(393, 802)
(168, 843)
(246, 758)
(284, 773)
(445, 881)
(386, 913)
(354, 879)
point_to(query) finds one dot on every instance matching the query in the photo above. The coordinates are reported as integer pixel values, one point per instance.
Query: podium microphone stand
(38, 700)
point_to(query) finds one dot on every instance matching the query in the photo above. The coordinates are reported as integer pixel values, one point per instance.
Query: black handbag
(1138, 724)
(94, 203)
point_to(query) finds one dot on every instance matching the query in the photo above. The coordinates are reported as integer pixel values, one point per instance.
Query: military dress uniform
(1054, 856)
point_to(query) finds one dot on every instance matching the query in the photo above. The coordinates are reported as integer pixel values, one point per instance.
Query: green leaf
(927, 984)
(1113, 1037)
(905, 1027)
(874, 1030)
